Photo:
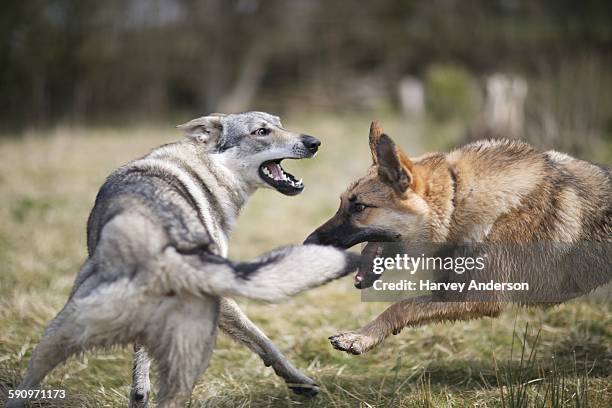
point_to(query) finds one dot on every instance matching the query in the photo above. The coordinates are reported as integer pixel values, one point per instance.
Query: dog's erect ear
(394, 167)
(375, 132)
(204, 129)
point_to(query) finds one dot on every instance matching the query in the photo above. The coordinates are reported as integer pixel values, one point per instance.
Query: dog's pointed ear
(205, 129)
(375, 132)
(394, 167)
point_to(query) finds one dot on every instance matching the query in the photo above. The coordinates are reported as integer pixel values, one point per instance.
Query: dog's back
(544, 218)
(181, 191)
(510, 192)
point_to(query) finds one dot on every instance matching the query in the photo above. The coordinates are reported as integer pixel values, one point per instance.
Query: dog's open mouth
(365, 276)
(273, 174)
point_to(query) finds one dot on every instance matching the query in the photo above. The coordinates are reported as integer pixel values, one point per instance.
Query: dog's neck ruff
(237, 190)
(240, 189)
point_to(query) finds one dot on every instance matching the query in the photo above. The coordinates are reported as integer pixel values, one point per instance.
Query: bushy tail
(272, 277)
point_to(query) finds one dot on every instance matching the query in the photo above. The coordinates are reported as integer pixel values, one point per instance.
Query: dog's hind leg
(141, 385)
(57, 344)
(181, 343)
(236, 324)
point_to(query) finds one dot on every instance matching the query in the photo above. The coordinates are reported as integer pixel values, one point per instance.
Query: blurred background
(88, 85)
(540, 66)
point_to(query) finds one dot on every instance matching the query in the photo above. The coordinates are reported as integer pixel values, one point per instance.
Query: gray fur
(157, 275)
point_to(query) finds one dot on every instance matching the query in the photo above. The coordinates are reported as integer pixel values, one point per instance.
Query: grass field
(47, 187)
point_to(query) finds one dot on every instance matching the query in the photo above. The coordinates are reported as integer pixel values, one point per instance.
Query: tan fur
(492, 191)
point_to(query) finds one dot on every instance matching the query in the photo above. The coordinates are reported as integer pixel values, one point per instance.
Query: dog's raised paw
(353, 343)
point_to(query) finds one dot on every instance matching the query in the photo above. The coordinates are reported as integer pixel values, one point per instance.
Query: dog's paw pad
(350, 342)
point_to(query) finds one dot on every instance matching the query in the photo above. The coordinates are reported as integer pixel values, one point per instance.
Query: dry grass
(47, 186)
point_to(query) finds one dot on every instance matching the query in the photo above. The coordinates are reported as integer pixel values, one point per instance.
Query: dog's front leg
(412, 312)
(237, 325)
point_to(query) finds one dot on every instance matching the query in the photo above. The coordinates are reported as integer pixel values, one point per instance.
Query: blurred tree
(87, 61)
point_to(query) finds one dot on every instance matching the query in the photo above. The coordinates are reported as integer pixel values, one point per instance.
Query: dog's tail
(271, 277)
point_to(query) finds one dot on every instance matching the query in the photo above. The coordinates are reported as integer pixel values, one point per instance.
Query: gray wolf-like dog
(497, 194)
(157, 275)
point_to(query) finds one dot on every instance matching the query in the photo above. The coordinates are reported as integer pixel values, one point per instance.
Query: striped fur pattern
(157, 273)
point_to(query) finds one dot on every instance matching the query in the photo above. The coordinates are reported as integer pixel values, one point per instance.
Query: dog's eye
(358, 207)
(261, 132)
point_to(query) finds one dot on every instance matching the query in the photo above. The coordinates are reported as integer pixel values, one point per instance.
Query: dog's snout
(311, 143)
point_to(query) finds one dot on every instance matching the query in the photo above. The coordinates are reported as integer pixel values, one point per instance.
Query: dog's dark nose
(311, 143)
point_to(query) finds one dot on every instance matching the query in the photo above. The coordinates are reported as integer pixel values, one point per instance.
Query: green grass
(47, 187)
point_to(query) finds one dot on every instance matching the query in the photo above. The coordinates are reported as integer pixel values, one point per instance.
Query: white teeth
(282, 176)
(297, 183)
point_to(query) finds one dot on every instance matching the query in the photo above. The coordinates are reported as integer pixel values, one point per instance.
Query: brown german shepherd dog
(491, 191)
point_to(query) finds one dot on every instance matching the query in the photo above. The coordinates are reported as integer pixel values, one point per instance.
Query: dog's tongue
(364, 273)
(275, 170)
